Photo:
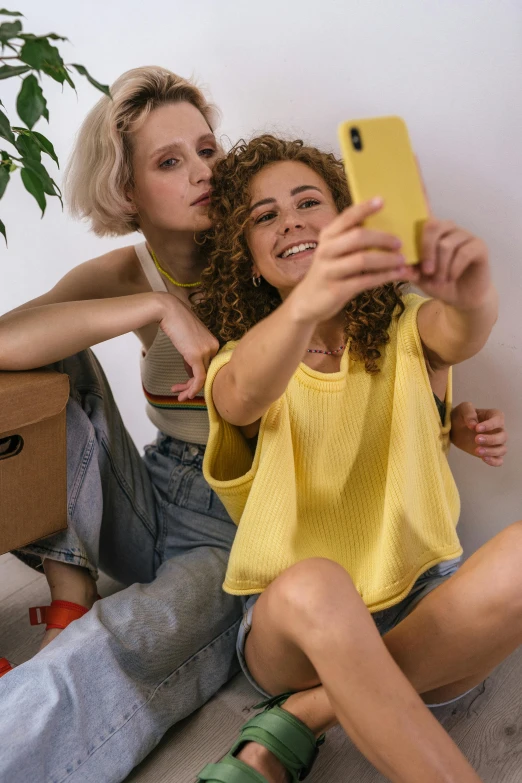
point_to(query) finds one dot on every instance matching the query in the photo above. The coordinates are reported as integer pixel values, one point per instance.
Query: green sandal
(280, 732)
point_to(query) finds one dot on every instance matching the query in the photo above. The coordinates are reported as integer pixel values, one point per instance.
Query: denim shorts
(384, 620)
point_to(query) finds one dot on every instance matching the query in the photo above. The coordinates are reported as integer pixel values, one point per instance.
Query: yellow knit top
(348, 466)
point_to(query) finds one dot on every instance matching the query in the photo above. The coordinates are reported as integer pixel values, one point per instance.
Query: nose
(200, 170)
(291, 219)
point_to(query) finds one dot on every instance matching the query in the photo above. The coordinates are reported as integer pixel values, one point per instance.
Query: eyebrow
(172, 144)
(293, 192)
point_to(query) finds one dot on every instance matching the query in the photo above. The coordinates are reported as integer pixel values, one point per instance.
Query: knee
(314, 591)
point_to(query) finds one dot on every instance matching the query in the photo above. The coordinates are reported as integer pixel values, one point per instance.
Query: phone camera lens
(356, 139)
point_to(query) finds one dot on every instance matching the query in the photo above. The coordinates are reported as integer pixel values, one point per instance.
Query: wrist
(163, 304)
(158, 302)
(488, 302)
(298, 310)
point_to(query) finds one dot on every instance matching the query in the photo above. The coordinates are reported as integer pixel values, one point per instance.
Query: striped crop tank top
(162, 367)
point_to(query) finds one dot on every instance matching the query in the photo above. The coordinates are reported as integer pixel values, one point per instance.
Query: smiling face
(289, 206)
(173, 153)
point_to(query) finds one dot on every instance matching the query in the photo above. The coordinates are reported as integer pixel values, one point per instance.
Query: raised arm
(456, 323)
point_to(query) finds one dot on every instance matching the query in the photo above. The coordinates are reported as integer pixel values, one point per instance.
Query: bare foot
(263, 761)
(67, 583)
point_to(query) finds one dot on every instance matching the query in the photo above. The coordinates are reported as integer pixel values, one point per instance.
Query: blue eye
(208, 153)
(312, 202)
(169, 163)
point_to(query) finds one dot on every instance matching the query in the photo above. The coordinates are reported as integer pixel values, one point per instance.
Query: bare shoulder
(116, 273)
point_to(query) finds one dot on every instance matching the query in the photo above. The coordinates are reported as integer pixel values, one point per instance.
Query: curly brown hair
(227, 302)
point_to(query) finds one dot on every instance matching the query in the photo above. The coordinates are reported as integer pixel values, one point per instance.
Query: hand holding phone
(379, 161)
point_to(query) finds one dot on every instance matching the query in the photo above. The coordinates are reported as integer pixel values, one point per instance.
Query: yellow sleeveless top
(348, 466)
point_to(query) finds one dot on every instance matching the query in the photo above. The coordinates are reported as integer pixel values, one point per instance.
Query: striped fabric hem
(168, 402)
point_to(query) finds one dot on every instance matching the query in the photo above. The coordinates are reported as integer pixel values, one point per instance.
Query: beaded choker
(327, 353)
(169, 277)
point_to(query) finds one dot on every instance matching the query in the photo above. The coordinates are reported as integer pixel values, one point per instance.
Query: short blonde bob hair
(99, 172)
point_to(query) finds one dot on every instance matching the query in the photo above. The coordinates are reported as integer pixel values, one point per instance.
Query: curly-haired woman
(328, 448)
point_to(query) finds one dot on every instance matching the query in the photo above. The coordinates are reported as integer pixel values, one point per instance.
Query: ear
(129, 198)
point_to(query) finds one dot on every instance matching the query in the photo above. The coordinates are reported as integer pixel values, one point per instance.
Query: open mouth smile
(297, 249)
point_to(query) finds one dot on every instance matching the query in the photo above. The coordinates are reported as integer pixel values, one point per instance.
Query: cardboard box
(33, 456)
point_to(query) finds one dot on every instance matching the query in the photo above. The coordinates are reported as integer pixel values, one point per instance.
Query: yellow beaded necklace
(169, 277)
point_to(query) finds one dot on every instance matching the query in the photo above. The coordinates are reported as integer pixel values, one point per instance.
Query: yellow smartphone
(379, 161)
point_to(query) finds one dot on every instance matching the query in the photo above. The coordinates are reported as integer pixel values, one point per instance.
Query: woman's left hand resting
(480, 432)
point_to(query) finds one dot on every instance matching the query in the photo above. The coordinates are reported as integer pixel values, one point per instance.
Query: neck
(178, 253)
(329, 335)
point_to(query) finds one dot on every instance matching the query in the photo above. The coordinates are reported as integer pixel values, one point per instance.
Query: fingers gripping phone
(379, 161)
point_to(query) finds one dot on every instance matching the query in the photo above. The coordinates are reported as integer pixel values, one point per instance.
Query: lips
(202, 201)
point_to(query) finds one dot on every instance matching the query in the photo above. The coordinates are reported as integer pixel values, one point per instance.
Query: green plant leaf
(9, 30)
(5, 12)
(39, 54)
(5, 129)
(35, 166)
(52, 36)
(31, 103)
(48, 185)
(28, 147)
(6, 71)
(2, 231)
(33, 186)
(4, 178)
(84, 72)
(46, 146)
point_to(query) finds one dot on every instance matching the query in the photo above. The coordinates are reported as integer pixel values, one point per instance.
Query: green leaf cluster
(34, 56)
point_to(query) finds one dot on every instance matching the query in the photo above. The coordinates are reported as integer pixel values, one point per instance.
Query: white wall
(450, 67)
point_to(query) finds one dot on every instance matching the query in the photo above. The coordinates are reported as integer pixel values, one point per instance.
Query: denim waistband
(187, 453)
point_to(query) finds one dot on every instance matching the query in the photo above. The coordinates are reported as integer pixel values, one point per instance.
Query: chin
(202, 224)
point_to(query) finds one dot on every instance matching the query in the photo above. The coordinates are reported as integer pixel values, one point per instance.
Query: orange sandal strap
(5, 666)
(58, 615)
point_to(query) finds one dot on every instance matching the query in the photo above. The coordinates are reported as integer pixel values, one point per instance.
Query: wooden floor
(487, 724)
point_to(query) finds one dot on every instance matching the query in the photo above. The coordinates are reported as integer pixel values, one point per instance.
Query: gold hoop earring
(256, 281)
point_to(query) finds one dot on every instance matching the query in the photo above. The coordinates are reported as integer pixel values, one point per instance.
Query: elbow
(6, 359)
(235, 405)
(12, 358)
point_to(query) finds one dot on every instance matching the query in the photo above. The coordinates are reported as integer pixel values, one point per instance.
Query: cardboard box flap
(29, 397)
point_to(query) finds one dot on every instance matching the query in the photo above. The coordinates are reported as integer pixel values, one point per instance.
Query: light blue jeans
(95, 702)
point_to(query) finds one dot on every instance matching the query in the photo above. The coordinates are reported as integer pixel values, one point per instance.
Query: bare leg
(456, 635)
(310, 627)
(67, 583)
(467, 626)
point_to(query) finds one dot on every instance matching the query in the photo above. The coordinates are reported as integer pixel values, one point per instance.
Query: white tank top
(162, 367)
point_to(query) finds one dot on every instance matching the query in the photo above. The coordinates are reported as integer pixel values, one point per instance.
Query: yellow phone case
(379, 161)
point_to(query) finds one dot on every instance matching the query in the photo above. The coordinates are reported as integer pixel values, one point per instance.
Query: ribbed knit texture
(161, 368)
(348, 466)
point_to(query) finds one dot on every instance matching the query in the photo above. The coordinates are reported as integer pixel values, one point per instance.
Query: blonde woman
(96, 701)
